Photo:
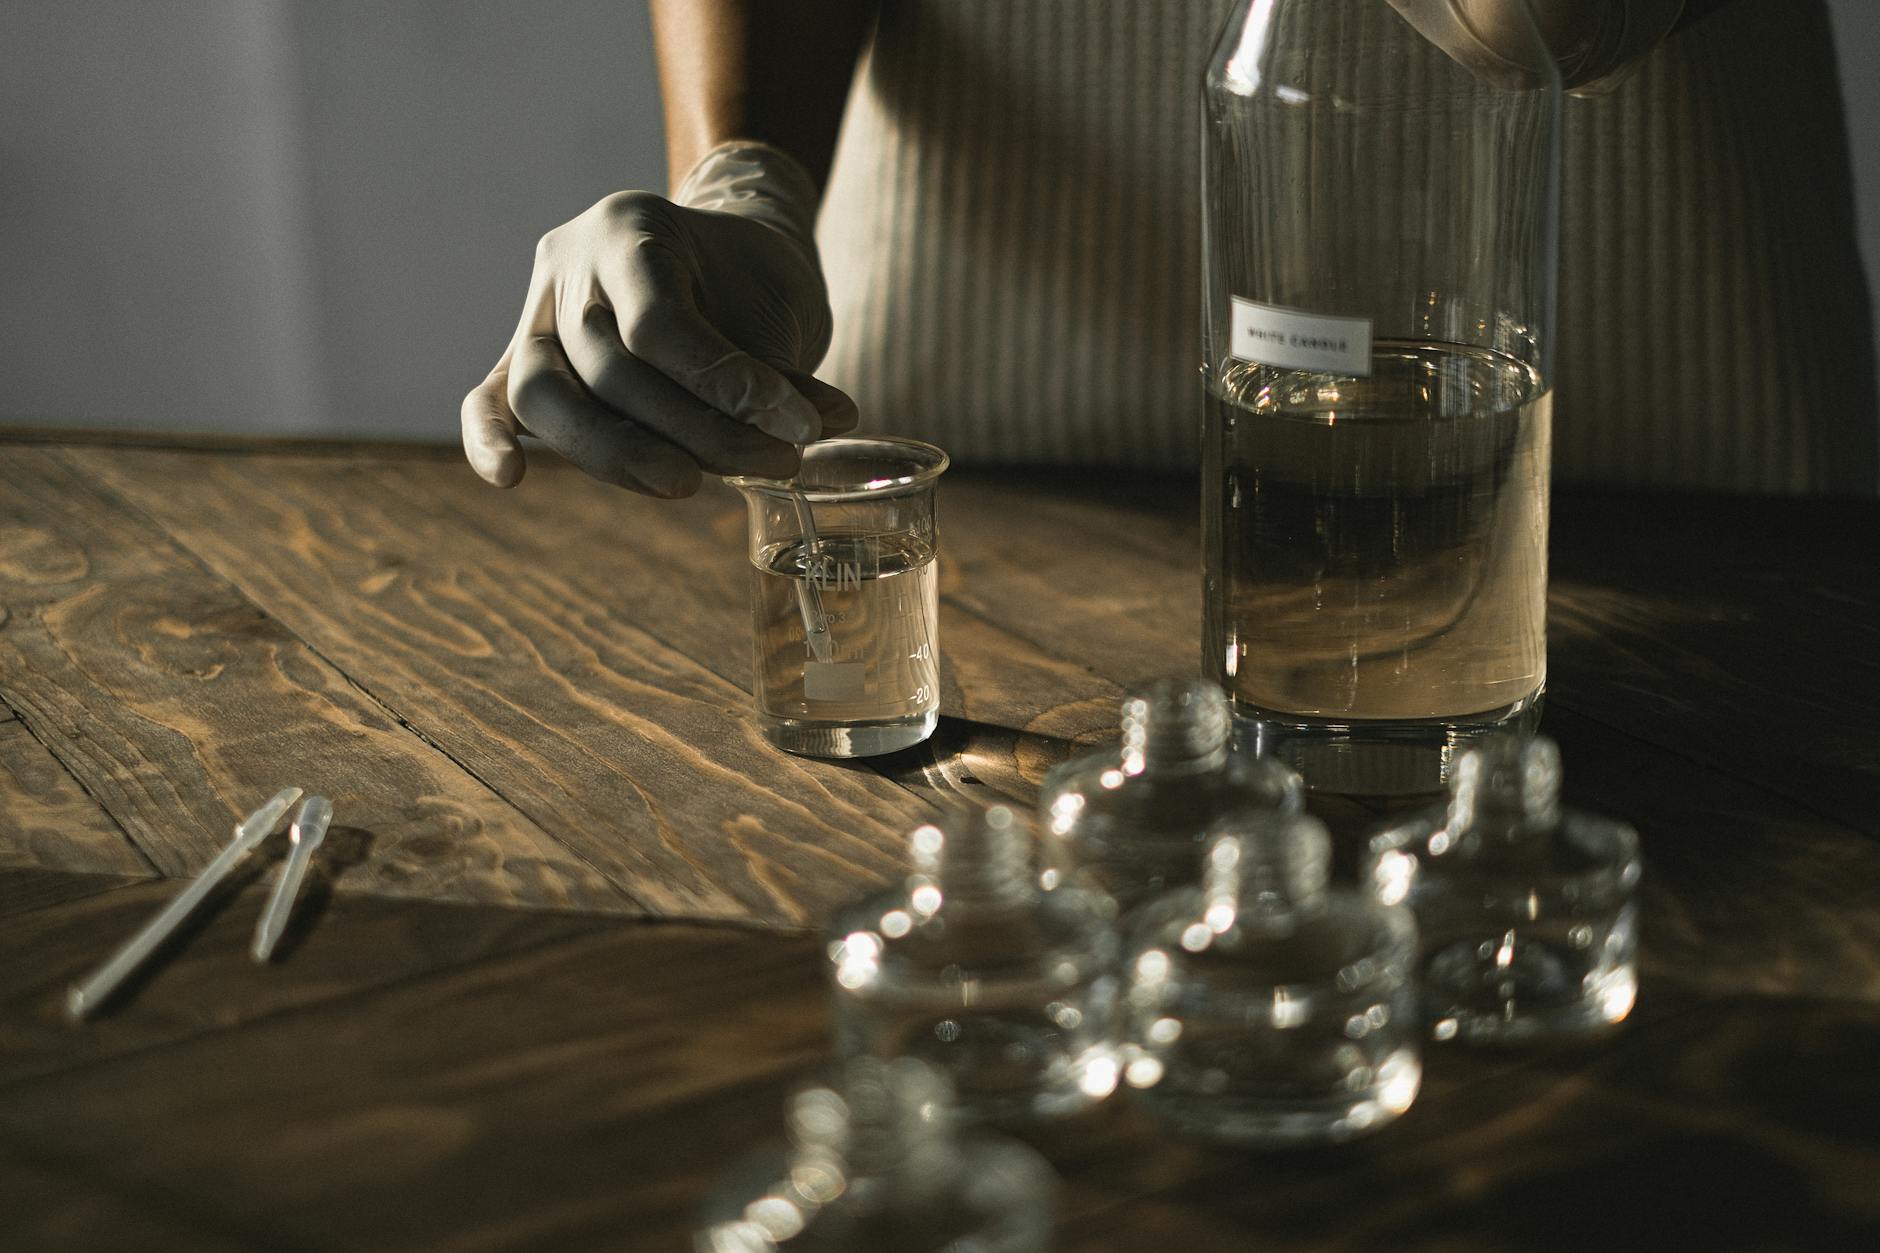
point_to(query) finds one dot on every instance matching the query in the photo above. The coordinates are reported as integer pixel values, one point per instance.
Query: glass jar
(971, 965)
(1132, 820)
(874, 1163)
(1527, 910)
(1267, 1008)
(1378, 236)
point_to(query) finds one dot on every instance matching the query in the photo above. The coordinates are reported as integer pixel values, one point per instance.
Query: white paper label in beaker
(834, 680)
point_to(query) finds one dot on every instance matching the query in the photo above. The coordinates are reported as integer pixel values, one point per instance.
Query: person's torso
(1012, 242)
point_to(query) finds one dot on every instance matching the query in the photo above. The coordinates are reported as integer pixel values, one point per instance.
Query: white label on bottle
(834, 680)
(1270, 335)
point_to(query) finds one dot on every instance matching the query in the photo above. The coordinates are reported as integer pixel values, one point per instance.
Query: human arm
(774, 73)
(1591, 40)
(661, 338)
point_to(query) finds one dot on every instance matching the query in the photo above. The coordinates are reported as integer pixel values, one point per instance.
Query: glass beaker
(1379, 247)
(844, 599)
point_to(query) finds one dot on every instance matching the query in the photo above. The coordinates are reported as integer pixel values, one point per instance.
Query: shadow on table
(1161, 493)
(977, 762)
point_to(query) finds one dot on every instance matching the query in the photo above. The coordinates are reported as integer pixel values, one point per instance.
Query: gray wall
(317, 215)
(1857, 40)
(300, 215)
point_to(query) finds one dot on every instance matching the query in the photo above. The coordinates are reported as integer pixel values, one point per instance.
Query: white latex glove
(1592, 41)
(661, 338)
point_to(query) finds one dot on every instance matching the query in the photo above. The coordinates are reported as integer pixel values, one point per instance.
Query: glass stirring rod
(308, 830)
(85, 997)
(808, 593)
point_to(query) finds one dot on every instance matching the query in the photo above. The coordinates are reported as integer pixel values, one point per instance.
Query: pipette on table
(308, 830)
(86, 996)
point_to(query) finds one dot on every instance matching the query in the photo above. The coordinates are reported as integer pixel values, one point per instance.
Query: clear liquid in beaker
(878, 690)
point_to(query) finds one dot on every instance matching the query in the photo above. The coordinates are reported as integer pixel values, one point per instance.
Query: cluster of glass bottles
(1174, 930)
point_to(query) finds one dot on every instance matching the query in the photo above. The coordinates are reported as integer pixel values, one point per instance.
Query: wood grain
(336, 946)
(1105, 574)
(46, 820)
(584, 1093)
(1756, 881)
(569, 1096)
(540, 677)
(1743, 633)
(444, 1076)
(180, 706)
(1576, 1152)
(993, 680)
(695, 550)
(43, 1213)
(575, 649)
(1744, 891)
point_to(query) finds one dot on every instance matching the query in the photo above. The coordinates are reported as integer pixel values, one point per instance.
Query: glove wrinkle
(659, 338)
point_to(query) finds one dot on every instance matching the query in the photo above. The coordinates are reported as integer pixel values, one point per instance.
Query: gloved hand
(1592, 41)
(661, 338)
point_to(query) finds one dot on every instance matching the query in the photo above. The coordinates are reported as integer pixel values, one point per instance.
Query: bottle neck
(1503, 823)
(1267, 872)
(1175, 728)
(979, 858)
(882, 1120)
(1506, 791)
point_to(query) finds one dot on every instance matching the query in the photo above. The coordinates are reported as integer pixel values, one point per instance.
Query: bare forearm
(777, 71)
(1591, 40)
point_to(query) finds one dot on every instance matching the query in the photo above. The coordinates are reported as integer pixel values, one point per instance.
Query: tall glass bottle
(1379, 219)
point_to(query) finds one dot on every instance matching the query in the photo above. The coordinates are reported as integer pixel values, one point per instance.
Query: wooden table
(559, 963)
